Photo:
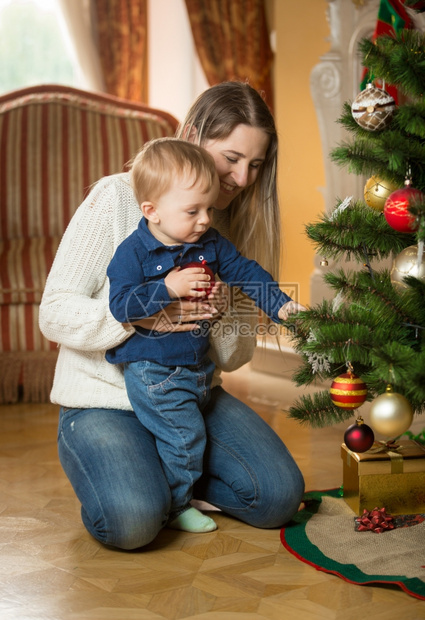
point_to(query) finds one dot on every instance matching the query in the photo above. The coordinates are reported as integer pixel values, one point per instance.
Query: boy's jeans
(168, 401)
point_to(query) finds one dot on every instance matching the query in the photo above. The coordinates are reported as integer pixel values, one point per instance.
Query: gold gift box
(390, 479)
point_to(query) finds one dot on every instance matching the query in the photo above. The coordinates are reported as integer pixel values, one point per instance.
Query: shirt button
(201, 257)
(159, 268)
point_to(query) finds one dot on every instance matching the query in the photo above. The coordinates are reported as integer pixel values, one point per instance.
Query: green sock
(191, 520)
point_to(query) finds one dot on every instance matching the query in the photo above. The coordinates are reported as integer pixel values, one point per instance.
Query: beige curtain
(232, 41)
(122, 45)
(78, 21)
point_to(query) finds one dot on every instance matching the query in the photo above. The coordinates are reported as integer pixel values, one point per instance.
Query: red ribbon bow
(375, 520)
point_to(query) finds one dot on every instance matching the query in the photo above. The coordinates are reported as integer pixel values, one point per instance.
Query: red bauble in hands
(359, 437)
(208, 271)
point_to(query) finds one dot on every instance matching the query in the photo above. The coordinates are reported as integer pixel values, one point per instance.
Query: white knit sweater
(74, 311)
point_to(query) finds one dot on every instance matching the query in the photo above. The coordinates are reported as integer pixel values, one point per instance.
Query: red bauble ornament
(348, 391)
(204, 265)
(396, 209)
(359, 437)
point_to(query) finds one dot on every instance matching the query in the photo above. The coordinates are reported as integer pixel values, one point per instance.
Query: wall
(301, 38)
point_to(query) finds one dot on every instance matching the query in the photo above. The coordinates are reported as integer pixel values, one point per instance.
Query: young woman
(109, 457)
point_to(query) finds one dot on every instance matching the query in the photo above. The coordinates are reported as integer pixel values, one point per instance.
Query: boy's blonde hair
(158, 164)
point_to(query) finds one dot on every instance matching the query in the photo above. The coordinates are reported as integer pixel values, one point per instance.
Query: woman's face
(238, 159)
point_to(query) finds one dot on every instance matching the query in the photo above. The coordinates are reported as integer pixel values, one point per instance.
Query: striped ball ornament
(348, 391)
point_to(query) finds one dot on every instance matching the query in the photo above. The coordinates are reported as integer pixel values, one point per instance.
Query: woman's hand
(179, 316)
(219, 298)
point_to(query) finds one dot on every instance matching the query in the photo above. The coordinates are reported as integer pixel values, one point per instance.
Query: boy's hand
(291, 307)
(185, 282)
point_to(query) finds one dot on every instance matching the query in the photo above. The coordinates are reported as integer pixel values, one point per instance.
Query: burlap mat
(324, 535)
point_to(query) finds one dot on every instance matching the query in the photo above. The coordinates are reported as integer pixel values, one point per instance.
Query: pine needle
(317, 410)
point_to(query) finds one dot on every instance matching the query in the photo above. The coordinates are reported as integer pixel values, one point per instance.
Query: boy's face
(183, 213)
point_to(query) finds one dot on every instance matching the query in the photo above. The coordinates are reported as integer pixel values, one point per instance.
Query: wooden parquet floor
(51, 569)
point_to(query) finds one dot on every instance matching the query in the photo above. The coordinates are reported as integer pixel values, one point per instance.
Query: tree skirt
(324, 535)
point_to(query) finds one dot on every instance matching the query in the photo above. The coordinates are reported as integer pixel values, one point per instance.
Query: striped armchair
(55, 142)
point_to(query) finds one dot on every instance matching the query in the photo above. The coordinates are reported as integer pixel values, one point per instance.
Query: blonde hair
(254, 214)
(160, 161)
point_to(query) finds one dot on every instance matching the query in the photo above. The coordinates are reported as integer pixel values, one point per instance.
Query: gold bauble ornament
(406, 264)
(391, 414)
(376, 191)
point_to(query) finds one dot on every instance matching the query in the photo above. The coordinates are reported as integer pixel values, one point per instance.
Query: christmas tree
(375, 325)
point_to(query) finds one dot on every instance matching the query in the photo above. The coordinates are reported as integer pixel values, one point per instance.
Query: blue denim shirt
(137, 290)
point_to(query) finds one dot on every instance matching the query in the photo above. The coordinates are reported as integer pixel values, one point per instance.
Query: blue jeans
(168, 401)
(113, 465)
